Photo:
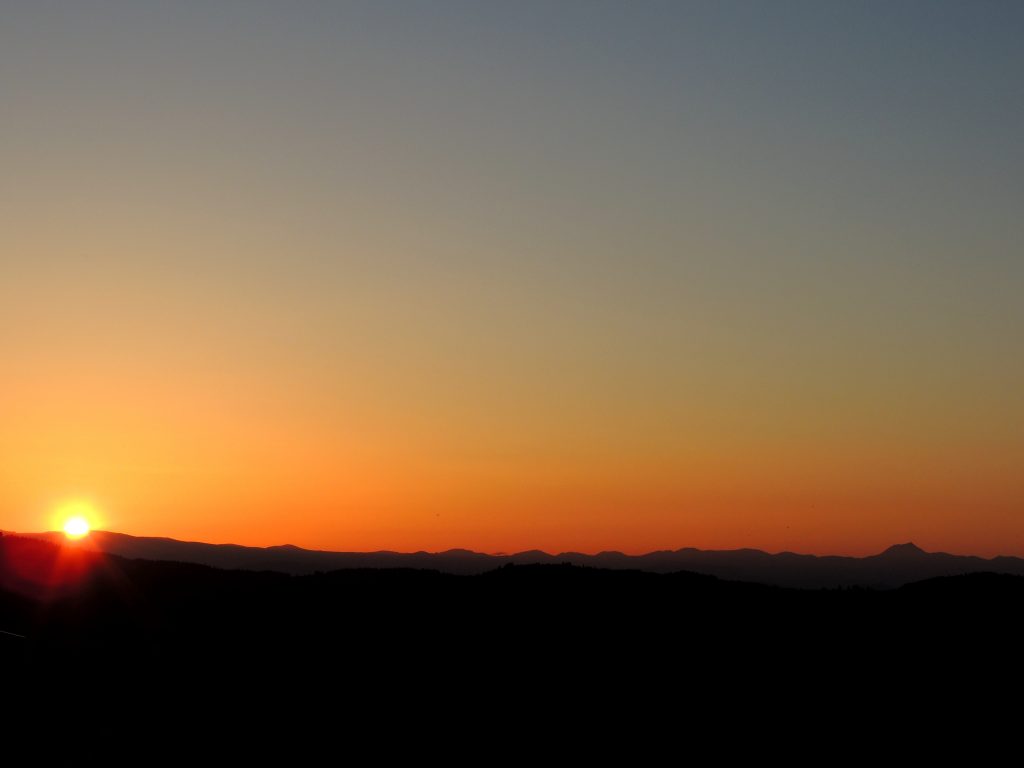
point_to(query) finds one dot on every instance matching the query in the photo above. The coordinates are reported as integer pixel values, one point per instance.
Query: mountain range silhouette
(393, 646)
(899, 564)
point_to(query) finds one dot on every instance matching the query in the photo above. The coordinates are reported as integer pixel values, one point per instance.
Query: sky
(500, 276)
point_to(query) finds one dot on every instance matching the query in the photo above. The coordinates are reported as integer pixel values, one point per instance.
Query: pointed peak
(910, 548)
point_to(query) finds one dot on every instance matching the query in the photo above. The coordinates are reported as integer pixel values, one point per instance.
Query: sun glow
(76, 519)
(76, 527)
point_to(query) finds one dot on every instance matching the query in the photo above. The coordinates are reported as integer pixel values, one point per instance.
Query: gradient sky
(583, 276)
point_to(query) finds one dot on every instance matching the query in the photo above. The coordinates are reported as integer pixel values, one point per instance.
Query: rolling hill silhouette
(391, 648)
(899, 564)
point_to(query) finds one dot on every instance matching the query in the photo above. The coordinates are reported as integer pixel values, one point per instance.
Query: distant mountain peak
(910, 548)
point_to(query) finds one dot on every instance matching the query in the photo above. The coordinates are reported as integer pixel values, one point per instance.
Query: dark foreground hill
(75, 606)
(897, 565)
(522, 655)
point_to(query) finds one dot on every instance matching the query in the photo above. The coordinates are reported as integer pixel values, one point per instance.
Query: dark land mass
(504, 625)
(516, 658)
(897, 565)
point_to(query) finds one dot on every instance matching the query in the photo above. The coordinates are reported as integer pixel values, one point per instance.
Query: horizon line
(905, 544)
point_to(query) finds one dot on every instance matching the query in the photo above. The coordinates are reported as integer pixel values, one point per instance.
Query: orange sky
(352, 280)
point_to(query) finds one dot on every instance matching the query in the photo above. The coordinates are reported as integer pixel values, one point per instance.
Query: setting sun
(76, 527)
(76, 518)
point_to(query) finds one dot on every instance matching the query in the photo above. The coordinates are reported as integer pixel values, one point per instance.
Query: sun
(76, 519)
(76, 527)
